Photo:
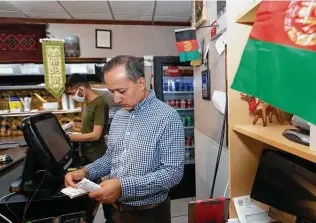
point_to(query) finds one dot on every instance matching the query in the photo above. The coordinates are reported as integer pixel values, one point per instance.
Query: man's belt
(123, 207)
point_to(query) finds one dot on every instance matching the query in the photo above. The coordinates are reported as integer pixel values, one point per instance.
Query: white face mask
(78, 98)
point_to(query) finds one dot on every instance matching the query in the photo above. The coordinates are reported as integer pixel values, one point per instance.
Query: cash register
(48, 157)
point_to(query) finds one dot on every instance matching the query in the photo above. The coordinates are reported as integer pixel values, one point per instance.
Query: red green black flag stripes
(278, 64)
(187, 44)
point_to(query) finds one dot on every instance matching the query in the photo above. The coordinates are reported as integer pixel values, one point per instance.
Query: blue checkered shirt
(146, 150)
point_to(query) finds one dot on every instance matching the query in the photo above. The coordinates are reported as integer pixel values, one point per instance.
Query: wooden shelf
(178, 92)
(67, 60)
(248, 17)
(22, 114)
(184, 109)
(272, 135)
(22, 87)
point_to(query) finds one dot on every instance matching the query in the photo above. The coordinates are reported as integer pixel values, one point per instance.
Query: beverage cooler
(174, 85)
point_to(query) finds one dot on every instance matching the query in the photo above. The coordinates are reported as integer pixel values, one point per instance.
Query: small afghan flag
(278, 64)
(187, 44)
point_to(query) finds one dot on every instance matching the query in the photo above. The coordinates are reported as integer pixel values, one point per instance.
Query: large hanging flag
(54, 66)
(187, 44)
(278, 64)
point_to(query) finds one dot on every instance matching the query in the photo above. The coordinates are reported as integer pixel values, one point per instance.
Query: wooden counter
(17, 154)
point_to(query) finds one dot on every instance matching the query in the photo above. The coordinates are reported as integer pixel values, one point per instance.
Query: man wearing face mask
(94, 118)
(145, 156)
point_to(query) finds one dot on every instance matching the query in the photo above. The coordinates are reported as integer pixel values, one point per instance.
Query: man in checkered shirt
(145, 156)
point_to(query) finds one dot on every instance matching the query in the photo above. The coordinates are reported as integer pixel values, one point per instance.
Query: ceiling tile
(38, 6)
(86, 7)
(107, 16)
(7, 6)
(45, 15)
(173, 8)
(132, 7)
(13, 14)
(133, 17)
(171, 19)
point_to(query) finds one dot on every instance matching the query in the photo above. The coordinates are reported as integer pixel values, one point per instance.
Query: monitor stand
(35, 175)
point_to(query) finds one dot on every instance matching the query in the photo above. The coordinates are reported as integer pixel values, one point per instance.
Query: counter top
(17, 154)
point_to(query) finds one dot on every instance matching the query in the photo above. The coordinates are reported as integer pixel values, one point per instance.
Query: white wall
(208, 120)
(126, 39)
(205, 159)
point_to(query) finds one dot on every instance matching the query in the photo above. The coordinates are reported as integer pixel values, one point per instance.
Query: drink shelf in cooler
(189, 161)
(184, 109)
(178, 92)
(189, 147)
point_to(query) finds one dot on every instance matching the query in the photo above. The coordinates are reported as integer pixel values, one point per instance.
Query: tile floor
(179, 211)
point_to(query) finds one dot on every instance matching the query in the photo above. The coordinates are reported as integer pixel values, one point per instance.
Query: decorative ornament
(261, 110)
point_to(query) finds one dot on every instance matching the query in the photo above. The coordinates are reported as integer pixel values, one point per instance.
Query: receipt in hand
(83, 187)
(73, 192)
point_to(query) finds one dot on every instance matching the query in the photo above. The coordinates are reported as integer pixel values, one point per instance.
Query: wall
(126, 39)
(208, 121)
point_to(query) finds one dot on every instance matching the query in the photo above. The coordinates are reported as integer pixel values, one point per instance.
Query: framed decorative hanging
(199, 12)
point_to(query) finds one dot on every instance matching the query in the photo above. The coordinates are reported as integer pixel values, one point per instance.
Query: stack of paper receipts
(83, 187)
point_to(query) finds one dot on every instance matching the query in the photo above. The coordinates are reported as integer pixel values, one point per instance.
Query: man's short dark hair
(76, 80)
(133, 67)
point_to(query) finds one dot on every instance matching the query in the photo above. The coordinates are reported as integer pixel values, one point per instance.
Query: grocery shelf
(21, 114)
(178, 92)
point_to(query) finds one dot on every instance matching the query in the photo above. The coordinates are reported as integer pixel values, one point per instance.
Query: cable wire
(7, 197)
(220, 149)
(30, 200)
(5, 218)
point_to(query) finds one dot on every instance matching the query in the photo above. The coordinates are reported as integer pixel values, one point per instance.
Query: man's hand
(72, 178)
(109, 193)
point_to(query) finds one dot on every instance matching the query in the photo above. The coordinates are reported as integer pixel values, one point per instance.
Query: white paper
(88, 185)
(312, 138)
(248, 211)
(73, 192)
(219, 101)
(206, 51)
(30, 69)
(221, 43)
(78, 68)
(148, 61)
(233, 220)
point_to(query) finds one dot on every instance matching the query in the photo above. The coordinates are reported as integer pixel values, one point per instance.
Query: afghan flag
(278, 64)
(187, 44)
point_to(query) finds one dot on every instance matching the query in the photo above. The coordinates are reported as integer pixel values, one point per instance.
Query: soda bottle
(169, 85)
(177, 85)
(178, 102)
(182, 86)
(189, 102)
(172, 102)
(189, 121)
(191, 87)
(182, 103)
(165, 86)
